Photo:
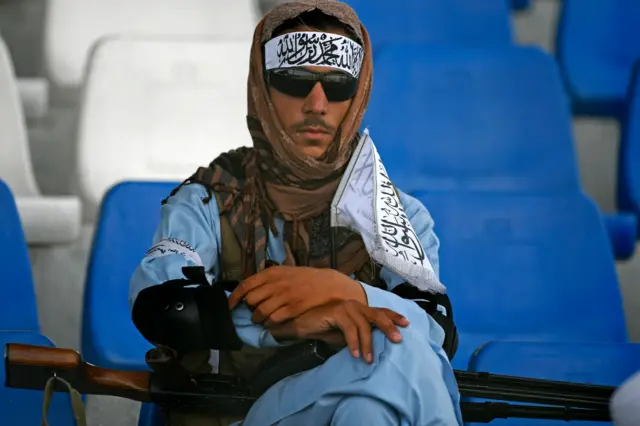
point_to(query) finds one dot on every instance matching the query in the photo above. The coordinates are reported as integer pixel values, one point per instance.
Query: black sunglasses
(297, 82)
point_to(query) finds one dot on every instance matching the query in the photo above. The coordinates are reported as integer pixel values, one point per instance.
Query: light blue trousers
(409, 384)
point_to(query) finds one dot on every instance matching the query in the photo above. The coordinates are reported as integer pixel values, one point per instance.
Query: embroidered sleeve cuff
(170, 246)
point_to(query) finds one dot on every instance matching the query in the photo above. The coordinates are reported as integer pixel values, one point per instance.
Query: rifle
(31, 367)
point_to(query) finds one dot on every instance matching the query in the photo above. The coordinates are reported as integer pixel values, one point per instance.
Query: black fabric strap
(429, 302)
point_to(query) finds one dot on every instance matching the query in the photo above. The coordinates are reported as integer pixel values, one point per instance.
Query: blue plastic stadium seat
(594, 363)
(529, 267)
(128, 219)
(629, 156)
(459, 22)
(17, 295)
(22, 406)
(19, 321)
(446, 118)
(597, 44)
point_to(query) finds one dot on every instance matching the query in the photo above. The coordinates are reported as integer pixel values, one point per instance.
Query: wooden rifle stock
(29, 367)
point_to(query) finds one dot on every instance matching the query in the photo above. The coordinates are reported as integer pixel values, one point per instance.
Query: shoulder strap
(231, 250)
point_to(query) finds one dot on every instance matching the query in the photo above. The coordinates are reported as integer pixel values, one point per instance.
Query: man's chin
(314, 151)
(314, 146)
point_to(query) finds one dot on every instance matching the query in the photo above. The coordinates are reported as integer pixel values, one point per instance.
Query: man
(304, 111)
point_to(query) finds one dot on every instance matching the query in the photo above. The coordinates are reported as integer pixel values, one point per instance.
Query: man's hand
(343, 323)
(282, 293)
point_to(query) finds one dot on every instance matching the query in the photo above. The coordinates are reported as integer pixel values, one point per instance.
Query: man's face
(311, 121)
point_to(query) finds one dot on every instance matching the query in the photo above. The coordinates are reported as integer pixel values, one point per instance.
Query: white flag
(366, 202)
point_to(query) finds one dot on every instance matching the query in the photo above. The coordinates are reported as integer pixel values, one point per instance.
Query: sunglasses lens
(292, 82)
(338, 87)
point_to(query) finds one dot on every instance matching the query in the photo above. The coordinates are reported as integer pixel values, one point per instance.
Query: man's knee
(364, 411)
(414, 346)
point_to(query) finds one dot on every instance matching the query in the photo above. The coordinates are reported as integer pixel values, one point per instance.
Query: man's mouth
(313, 130)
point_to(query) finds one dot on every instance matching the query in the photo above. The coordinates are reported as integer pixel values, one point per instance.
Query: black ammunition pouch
(186, 315)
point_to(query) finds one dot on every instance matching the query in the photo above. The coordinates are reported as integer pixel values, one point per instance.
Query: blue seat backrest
(17, 294)
(460, 22)
(129, 216)
(597, 43)
(594, 29)
(527, 266)
(629, 160)
(448, 118)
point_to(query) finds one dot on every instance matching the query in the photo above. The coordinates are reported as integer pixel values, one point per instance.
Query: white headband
(303, 49)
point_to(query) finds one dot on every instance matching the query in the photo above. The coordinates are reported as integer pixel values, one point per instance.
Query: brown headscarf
(276, 177)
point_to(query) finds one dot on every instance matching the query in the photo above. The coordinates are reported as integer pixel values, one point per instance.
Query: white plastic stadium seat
(157, 108)
(34, 93)
(46, 220)
(73, 26)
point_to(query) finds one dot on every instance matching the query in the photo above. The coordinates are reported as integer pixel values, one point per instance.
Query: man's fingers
(265, 310)
(262, 294)
(293, 308)
(396, 317)
(363, 325)
(383, 321)
(350, 332)
(245, 286)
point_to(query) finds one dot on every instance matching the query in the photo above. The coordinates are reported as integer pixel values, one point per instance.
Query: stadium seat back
(531, 267)
(597, 44)
(158, 108)
(457, 22)
(73, 27)
(128, 219)
(446, 118)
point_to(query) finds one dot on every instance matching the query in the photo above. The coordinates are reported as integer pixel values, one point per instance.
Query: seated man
(307, 94)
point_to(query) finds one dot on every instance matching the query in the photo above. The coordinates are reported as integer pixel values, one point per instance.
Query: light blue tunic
(409, 383)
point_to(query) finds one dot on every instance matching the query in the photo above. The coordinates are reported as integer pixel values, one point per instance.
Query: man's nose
(316, 101)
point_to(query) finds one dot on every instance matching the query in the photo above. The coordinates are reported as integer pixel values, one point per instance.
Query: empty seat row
(46, 220)
(463, 124)
(458, 22)
(72, 27)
